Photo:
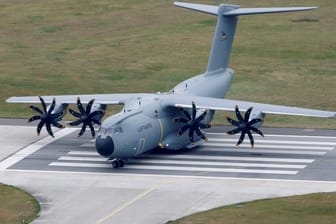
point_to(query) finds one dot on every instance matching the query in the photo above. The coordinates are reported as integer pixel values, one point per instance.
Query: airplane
(172, 120)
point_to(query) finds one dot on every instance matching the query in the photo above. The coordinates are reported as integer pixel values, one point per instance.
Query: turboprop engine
(50, 115)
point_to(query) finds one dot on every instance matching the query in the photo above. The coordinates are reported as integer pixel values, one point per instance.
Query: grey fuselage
(145, 123)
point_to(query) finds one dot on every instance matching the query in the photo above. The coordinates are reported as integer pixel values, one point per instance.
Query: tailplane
(227, 17)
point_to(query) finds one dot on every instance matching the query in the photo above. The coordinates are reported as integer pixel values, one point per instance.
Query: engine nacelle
(60, 109)
(257, 114)
(98, 107)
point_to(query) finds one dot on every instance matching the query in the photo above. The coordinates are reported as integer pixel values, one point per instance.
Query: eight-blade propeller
(86, 117)
(244, 126)
(192, 123)
(46, 116)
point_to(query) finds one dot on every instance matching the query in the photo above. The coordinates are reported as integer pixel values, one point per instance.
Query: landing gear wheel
(120, 163)
(116, 163)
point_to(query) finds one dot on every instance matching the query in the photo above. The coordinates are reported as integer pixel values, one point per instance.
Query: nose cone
(104, 145)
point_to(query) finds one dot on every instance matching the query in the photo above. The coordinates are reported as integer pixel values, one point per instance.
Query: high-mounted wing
(72, 99)
(230, 105)
(87, 117)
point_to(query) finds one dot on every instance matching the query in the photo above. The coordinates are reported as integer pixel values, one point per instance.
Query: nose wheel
(116, 163)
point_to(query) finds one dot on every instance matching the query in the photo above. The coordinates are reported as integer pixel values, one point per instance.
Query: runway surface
(277, 156)
(75, 185)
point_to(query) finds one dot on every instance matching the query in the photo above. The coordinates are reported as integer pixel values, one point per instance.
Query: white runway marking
(33, 148)
(178, 168)
(219, 156)
(267, 163)
(302, 152)
(181, 162)
(260, 141)
(207, 157)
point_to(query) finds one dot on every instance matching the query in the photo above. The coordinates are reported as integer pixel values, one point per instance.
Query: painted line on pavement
(26, 151)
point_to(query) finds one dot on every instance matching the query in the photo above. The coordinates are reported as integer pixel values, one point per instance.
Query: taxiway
(75, 185)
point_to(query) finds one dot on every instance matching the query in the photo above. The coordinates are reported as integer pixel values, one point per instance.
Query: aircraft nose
(104, 145)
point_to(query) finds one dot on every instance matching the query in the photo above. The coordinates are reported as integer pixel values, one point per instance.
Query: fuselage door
(140, 146)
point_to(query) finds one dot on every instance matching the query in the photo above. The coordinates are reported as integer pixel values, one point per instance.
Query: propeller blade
(82, 130)
(36, 109)
(247, 114)
(193, 110)
(75, 123)
(95, 113)
(233, 122)
(80, 106)
(93, 132)
(256, 130)
(200, 134)
(75, 113)
(238, 115)
(187, 115)
(202, 116)
(34, 118)
(39, 126)
(49, 129)
(241, 138)
(191, 134)
(52, 106)
(251, 138)
(89, 106)
(204, 126)
(234, 131)
(58, 125)
(43, 104)
(183, 129)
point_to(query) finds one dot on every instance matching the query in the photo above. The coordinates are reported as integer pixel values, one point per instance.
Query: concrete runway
(75, 185)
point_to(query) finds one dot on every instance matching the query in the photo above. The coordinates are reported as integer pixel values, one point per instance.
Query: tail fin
(227, 17)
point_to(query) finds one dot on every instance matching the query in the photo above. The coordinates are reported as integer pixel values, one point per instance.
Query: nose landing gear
(116, 163)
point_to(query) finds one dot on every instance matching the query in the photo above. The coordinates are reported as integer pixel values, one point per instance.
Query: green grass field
(309, 209)
(103, 46)
(17, 206)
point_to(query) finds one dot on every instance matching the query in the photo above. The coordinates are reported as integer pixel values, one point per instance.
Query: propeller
(86, 117)
(46, 116)
(192, 123)
(244, 126)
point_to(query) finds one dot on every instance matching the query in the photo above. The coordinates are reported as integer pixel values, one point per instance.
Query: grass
(17, 206)
(101, 46)
(309, 209)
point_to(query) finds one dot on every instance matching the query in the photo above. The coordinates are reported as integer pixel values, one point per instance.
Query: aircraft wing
(72, 99)
(229, 105)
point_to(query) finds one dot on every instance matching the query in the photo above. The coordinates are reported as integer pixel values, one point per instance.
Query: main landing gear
(116, 163)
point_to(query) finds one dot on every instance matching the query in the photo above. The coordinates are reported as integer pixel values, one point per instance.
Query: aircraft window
(115, 130)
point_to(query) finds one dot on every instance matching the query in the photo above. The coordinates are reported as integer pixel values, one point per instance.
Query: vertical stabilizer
(227, 17)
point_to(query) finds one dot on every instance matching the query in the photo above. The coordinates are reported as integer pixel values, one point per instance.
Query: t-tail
(227, 17)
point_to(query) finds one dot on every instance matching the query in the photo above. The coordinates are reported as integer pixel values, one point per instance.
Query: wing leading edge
(229, 105)
(71, 99)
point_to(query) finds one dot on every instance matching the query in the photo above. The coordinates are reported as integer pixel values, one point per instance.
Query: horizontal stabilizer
(210, 9)
(250, 11)
(235, 10)
(227, 17)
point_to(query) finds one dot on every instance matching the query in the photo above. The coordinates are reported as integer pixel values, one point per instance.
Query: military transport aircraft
(173, 120)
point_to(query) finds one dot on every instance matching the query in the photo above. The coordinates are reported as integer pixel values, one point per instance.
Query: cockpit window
(111, 130)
